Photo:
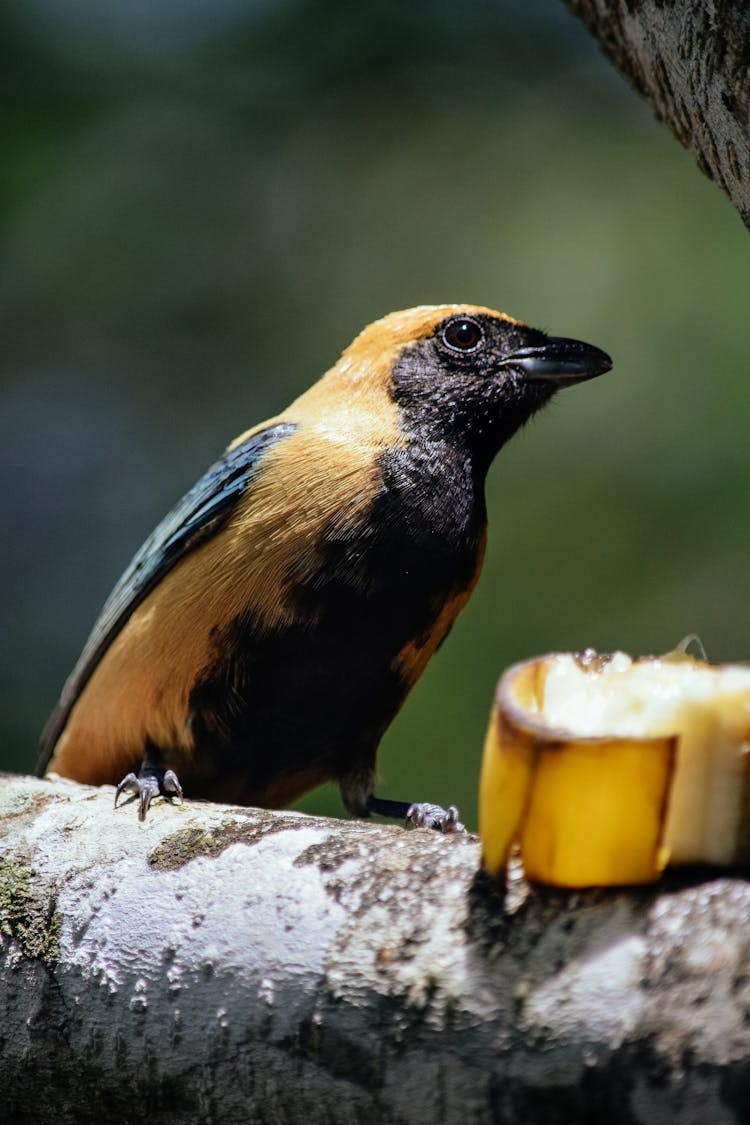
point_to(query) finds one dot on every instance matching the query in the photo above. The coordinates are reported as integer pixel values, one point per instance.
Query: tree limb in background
(691, 60)
(234, 965)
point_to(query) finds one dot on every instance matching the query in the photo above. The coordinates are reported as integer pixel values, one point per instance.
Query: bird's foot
(151, 782)
(419, 814)
(424, 815)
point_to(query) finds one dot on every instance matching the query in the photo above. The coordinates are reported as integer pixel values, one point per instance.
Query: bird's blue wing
(197, 516)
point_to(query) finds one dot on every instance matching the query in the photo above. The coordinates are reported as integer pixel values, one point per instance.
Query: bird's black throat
(471, 405)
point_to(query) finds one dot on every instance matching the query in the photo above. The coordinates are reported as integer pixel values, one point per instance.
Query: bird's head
(458, 372)
(474, 373)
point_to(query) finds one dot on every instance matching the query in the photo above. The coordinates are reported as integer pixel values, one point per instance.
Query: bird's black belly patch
(322, 691)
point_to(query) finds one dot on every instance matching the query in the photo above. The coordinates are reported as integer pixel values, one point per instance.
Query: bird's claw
(150, 783)
(425, 815)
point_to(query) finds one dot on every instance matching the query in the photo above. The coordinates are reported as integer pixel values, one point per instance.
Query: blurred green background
(201, 204)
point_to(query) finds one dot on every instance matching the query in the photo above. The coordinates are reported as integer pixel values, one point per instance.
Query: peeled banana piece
(604, 769)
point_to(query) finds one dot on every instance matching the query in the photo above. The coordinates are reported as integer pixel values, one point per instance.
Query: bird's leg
(152, 780)
(418, 814)
(357, 794)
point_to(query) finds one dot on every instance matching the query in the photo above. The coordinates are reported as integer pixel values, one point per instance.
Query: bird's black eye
(463, 334)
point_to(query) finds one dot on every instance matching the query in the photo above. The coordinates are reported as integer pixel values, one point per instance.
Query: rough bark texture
(224, 964)
(691, 60)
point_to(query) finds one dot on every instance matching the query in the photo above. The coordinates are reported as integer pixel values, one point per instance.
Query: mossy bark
(225, 964)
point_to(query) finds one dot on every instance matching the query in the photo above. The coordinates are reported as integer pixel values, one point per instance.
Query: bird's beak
(561, 361)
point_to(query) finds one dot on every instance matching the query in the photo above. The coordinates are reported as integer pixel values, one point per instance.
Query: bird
(268, 631)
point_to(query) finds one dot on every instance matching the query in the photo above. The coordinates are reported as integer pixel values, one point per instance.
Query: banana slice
(606, 768)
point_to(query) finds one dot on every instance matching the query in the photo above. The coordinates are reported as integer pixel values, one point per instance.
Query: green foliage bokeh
(198, 212)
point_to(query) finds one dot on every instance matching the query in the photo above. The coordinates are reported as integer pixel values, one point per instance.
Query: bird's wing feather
(197, 516)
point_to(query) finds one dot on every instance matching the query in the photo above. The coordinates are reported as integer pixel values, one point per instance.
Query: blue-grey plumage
(198, 515)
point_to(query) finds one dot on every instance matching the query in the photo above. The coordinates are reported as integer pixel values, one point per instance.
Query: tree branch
(229, 964)
(691, 61)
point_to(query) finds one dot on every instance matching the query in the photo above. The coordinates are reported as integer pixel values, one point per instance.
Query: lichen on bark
(27, 913)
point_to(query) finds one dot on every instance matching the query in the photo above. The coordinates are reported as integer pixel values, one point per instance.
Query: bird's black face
(478, 378)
